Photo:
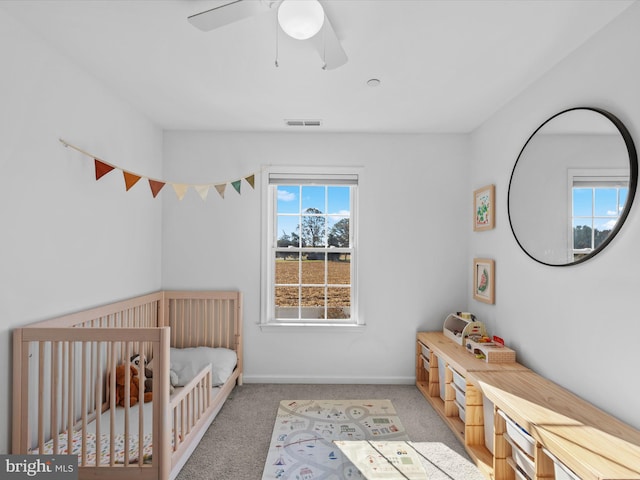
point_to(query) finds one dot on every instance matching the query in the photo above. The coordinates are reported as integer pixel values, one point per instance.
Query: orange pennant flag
(220, 188)
(102, 168)
(180, 189)
(130, 179)
(251, 180)
(155, 187)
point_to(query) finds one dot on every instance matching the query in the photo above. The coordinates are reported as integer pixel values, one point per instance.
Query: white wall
(575, 325)
(67, 242)
(414, 220)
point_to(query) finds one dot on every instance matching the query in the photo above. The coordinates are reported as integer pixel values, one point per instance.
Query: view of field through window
(313, 252)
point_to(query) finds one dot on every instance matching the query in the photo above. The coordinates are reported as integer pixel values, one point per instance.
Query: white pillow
(188, 362)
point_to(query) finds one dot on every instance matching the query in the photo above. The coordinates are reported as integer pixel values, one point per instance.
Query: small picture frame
(484, 280)
(483, 208)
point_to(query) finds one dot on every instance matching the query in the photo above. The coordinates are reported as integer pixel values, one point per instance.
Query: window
(597, 200)
(309, 251)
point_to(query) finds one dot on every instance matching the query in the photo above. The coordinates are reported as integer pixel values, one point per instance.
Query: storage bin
(487, 410)
(520, 475)
(460, 395)
(459, 380)
(425, 363)
(461, 412)
(520, 436)
(441, 378)
(562, 472)
(522, 460)
(426, 353)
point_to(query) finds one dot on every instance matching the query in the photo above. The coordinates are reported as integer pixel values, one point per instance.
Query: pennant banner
(130, 179)
(155, 187)
(180, 189)
(102, 168)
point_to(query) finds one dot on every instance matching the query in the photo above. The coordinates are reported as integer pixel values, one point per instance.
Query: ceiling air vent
(303, 123)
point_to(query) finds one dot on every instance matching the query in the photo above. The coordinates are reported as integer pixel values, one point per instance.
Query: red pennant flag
(155, 187)
(102, 168)
(130, 179)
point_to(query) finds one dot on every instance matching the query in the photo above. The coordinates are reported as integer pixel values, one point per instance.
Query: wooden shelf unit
(593, 444)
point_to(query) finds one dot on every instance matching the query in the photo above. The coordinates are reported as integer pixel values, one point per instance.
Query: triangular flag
(236, 185)
(180, 189)
(203, 190)
(130, 179)
(221, 188)
(102, 168)
(155, 187)
(251, 180)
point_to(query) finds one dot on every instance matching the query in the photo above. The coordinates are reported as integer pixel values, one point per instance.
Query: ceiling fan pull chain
(324, 46)
(276, 62)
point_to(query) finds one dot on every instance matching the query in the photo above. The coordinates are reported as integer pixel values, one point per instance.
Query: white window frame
(310, 176)
(594, 178)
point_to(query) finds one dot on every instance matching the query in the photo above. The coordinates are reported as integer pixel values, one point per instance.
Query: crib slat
(127, 398)
(83, 400)
(112, 403)
(70, 402)
(54, 395)
(98, 403)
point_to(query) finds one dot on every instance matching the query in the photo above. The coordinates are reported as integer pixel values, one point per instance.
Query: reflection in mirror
(572, 186)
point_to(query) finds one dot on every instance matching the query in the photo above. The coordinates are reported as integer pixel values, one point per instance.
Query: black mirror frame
(633, 181)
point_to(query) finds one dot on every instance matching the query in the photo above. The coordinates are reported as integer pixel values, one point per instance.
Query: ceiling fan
(300, 19)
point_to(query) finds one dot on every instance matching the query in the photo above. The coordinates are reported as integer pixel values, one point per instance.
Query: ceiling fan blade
(329, 47)
(225, 14)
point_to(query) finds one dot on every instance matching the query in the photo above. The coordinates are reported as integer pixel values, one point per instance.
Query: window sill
(315, 327)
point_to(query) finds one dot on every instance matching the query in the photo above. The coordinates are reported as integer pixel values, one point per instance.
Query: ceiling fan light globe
(300, 19)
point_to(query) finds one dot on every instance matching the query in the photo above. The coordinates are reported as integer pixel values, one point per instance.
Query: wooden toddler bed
(64, 393)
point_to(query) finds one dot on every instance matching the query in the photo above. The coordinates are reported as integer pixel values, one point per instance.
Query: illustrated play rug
(302, 445)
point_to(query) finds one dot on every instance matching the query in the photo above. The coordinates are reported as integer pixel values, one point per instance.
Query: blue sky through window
(294, 200)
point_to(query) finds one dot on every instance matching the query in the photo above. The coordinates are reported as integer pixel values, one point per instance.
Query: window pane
(313, 231)
(582, 202)
(338, 303)
(288, 200)
(287, 268)
(286, 302)
(287, 231)
(312, 302)
(338, 231)
(339, 200)
(606, 202)
(313, 268)
(313, 197)
(339, 269)
(624, 193)
(582, 234)
(602, 227)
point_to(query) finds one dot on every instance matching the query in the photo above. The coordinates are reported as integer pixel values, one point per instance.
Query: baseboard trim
(248, 378)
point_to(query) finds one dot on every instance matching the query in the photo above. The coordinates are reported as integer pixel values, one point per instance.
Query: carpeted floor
(235, 446)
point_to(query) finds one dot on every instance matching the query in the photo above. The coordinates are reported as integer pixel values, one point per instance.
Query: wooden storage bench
(565, 430)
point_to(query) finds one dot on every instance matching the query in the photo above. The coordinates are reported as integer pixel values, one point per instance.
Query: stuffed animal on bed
(134, 382)
(148, 373)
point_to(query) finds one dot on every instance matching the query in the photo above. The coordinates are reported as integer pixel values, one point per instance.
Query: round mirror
(572, 186)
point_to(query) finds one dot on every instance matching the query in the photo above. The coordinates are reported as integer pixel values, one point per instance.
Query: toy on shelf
(489, 350)
(458, 328)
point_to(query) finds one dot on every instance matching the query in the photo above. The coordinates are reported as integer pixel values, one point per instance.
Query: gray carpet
(235, 446)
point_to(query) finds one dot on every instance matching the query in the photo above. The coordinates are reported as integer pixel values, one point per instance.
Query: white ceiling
(445, 66)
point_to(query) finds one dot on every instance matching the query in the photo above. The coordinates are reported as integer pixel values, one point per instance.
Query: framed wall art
(484, 280)
(483, 208)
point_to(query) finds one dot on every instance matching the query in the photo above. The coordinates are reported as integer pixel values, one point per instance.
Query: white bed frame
(62, 381)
